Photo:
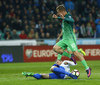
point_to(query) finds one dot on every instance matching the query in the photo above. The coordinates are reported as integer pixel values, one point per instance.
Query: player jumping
(61, 70)
(68, 39)
(68, 49)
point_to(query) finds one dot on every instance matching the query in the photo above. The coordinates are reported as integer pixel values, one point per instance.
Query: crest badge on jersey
(69, 16)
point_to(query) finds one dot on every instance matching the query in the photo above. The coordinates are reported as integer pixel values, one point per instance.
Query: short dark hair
(61, 8)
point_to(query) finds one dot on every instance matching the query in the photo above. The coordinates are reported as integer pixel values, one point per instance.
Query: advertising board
(11, 54)
(46, 53)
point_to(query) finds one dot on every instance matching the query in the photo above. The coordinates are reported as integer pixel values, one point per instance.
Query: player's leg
(56, 76)
(45, 76)
(81, 58)
(61, 70)
(59, 50)
(72, 56)
(64, 53)
(59, 57)
(41, 76)
(60, 47)
(37, 76)
(28, 74)
(79, 50)
(74, 49)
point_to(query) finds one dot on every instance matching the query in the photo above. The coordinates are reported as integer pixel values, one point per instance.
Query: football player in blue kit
(60, 70)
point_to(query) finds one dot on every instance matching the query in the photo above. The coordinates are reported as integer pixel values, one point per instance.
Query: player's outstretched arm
(54, 16)
(67, 19)
(70, 19)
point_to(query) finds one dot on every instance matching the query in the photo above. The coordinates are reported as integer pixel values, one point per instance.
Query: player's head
(61, 9)
(58, 62)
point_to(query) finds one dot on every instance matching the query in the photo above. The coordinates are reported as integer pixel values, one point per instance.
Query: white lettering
(35, 53)
(48, 53)
(97, 52)
(39, 53)
(92, 52)
(44, 53)
(87, 51)
(52, 53)
(55, 54)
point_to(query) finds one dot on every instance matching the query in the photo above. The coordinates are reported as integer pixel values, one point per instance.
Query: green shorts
(69, 44)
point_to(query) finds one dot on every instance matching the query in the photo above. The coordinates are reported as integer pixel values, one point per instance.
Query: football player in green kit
(68, 39)
(68, 49)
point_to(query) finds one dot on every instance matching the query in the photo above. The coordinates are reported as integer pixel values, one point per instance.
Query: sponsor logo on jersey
(69, 16)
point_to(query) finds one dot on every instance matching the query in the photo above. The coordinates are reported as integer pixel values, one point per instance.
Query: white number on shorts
(73, 45)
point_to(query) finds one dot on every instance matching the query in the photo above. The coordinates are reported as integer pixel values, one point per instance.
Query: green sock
(79, 50)
(84, 64)
(59, 57)
(66, 54)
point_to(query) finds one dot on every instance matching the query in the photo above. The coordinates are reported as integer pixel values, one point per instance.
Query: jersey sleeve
(69, 63)
(68, 18)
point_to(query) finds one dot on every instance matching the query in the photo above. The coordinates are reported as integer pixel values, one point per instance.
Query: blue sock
(59, 70)
(37, 76)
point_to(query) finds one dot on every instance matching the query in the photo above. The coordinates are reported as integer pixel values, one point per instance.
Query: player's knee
(55, 48)
(75, 53)
(70, 52)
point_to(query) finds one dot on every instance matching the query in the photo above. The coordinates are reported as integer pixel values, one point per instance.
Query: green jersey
(67, 27)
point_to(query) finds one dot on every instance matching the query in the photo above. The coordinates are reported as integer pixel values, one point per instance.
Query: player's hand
(54, 16)
(61, 16)
(57, 40)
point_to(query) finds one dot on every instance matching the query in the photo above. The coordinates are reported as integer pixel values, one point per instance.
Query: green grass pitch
(10, 74)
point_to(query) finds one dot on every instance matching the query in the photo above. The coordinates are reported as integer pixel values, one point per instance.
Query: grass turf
(10, 74)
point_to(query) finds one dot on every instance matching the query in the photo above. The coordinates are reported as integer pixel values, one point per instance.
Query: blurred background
(32, 19)
(25, 25)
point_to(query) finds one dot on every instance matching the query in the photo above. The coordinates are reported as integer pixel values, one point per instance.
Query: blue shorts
(57, 75)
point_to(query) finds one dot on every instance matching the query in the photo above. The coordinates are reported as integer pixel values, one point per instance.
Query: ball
(76, 72)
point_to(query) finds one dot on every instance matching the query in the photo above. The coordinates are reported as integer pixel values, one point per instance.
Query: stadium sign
(92, 51)
(7, 58)
(45, 53)
(11, 54)
(39, 53)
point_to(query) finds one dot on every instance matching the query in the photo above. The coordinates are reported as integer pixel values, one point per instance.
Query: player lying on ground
(61, 70)
(68, 40)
